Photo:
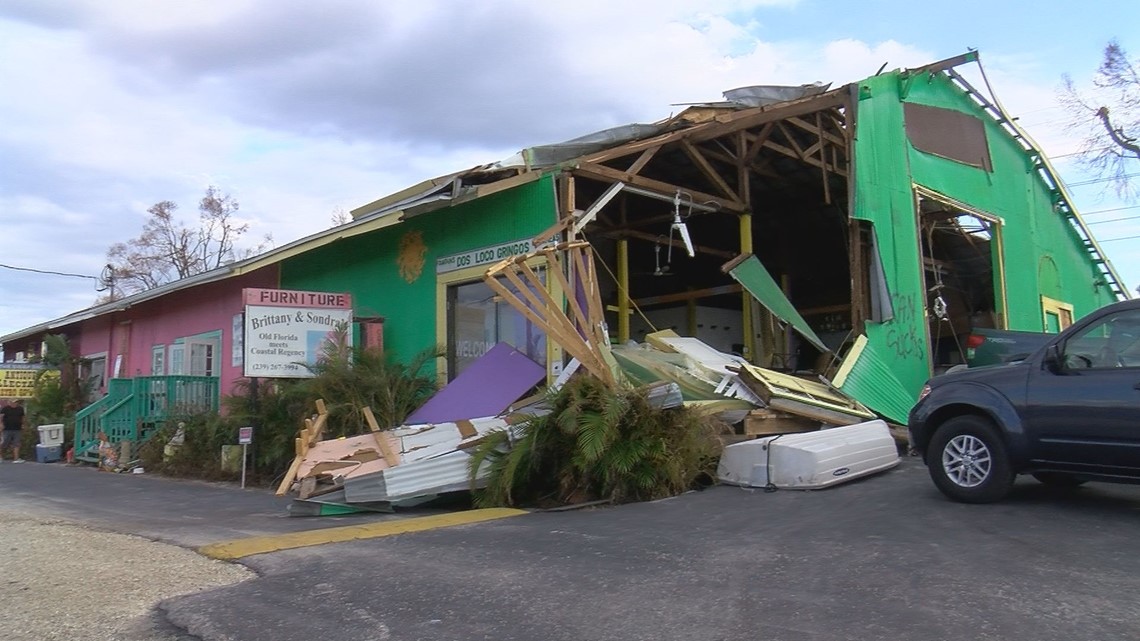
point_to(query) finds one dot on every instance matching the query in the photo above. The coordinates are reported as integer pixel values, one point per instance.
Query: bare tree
(340, 216)
(1109, 116)
(168, 250)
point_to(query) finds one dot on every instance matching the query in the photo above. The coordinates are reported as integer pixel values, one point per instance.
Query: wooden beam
(791, 140)
(758, 142)
(708, 170)
(823, 160)
(657, 238)
(643, 160)
(606, 174)
(748, 118)
(558, 269)
(391, 456)
(817, 128)
(695, 294)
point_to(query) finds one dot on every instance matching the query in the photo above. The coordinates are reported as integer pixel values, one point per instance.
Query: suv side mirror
(1053, 360)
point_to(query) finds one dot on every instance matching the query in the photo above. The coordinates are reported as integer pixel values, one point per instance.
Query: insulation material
(645, 365)
(486, 388)
(712, 365)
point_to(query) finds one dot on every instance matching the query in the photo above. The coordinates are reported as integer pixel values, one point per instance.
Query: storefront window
(477, 321)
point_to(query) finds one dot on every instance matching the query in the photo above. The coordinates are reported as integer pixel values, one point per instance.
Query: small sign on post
(245, 437)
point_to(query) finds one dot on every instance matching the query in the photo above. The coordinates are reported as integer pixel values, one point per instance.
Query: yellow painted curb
(230, 550)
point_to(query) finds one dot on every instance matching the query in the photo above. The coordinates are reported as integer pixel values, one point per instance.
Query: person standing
(12, 417)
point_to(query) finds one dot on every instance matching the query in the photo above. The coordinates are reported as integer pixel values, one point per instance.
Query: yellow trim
(623, 290)
(1056, 307)
(749, 334)
(322, 239)
(236, 549)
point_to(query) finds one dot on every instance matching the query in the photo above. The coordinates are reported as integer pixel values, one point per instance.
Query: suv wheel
(967, 461)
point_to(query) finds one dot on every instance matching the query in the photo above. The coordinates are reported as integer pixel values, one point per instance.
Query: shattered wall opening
(772, 183)
(962, 274)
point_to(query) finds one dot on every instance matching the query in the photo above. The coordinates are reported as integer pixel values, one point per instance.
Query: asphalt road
(882, 558)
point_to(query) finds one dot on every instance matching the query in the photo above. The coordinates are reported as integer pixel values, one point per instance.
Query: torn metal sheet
(447, 473)
(486, 388)
(547, 155)
(865, 375)
(750, 273)
(810, 461)
(760, 95)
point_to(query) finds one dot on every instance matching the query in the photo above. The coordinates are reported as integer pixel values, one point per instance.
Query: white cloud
(300, 108)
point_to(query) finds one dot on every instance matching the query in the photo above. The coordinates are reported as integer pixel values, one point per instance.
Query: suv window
(1113, 342)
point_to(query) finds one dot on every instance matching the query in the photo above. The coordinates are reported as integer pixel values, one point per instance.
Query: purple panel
(486, 388)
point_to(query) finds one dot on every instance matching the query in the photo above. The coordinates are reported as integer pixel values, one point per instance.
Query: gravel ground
(61, 580)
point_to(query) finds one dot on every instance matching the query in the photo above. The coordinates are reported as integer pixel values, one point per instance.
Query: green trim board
(750, 273)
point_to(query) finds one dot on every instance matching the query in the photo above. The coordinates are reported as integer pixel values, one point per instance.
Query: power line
(1112, 220)
(1105, 211)
(45, 271)
(1102, 180)
(1109, 240)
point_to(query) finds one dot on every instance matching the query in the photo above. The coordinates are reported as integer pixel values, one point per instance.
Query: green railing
(135, 407)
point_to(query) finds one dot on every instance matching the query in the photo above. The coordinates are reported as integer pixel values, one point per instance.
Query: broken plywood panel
(768, 422)
(802, 397)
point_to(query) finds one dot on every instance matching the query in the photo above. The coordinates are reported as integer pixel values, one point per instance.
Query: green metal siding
(1016, 193)
(884, 196)
(379, 268)
(887, 166)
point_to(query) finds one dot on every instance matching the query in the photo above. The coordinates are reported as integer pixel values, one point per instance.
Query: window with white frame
(158, 360)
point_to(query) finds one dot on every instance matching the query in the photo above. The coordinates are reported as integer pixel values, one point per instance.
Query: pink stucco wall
(134, 332)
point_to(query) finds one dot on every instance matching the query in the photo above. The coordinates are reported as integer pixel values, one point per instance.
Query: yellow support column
(623, 291)
(746, 326)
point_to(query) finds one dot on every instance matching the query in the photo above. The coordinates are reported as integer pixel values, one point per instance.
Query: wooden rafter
(758, 141)
(817, 128)
(792, 142)
(582, 337)
(642, 160)
(607, 174)
(708, 170)
(749, 118)
(726, 124)
(823, 160)
(791, 153)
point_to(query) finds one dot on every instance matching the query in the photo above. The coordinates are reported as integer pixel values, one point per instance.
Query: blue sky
(301, 109)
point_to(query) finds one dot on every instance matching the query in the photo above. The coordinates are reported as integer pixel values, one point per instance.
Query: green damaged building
(858, 232)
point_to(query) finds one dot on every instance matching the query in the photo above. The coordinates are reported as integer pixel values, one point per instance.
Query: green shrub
(277, 410)
(597, 443)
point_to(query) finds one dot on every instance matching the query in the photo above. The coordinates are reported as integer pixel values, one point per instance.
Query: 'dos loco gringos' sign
(285, 329)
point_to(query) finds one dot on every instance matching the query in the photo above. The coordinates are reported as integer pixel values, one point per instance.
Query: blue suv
(1068, 414)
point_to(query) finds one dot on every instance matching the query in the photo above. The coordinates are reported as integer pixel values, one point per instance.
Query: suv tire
(968, 462)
